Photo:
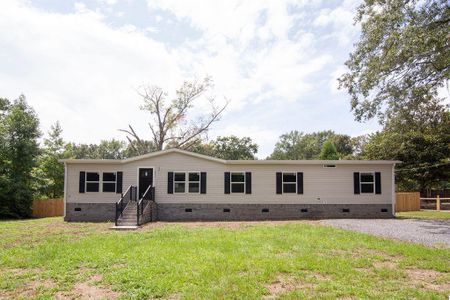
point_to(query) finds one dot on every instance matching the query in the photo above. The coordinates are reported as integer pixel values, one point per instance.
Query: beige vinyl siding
(321, 185)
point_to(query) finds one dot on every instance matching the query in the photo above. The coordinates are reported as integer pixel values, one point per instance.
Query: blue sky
(80, 62)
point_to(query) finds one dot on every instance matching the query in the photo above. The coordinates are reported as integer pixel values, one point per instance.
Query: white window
(289, 183)
(194, 182)
(92, 181)
(179, 182)
(186, 182)
(237, 182)
(367, 182)
(109, 182)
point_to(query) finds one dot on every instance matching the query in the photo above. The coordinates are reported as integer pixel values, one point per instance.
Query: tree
(170, 124)
(421, 140)
(402, 58)
(20, 130)
(229, 148)
(344, 145)
(49, 172)
(298, 145)
(328, 151)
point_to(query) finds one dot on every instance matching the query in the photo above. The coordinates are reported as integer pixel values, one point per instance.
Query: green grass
(288, 260)
(424, 214)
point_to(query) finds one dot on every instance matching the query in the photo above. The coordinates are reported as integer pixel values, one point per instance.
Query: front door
(145, 180)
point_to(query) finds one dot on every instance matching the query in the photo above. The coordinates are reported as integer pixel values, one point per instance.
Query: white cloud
(341, 21)
(77, 69)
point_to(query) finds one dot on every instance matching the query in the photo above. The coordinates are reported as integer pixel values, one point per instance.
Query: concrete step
(121, 227)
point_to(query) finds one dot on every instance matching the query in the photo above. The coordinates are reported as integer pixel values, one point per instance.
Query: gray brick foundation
(96, 212)
(90, 212)
(250, 212)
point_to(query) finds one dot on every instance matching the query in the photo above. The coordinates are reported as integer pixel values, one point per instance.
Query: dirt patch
(386, 264)
(429, 279)
(286, 282)
(30, 289)
(89, 290)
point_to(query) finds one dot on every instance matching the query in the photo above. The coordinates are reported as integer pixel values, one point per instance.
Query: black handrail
(149, 195)
(123, 201)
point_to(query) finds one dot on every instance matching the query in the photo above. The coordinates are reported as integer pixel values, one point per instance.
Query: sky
(275, 62)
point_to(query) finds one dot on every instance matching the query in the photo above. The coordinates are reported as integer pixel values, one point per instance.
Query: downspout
(393, 190)
(65, 188)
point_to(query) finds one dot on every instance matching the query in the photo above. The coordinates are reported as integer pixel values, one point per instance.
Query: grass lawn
(48, 258)
(424, 214)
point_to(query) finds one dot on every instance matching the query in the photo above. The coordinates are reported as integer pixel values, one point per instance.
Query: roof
(231, 162)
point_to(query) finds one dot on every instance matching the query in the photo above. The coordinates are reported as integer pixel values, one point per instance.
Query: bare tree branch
(169, 121)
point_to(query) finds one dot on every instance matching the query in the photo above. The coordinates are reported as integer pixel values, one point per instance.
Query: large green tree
(421, 140)
(107, 149)
(298, 145)
(228, 147)
(329, 151)
(19, 126)
(401, 59)
(49, 172)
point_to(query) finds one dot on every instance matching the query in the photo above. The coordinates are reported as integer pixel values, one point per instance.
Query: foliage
(421, 140)
(329, 151)
(402, 58)
(229, 148)
(19, 127)
(225, 261)
(170, 123)
(49, 172)
(298, 145)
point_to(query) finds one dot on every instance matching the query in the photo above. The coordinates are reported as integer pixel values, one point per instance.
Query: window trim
(115, 181)
(361, 183)
(237, 182)
(187, 181)
(86, 181)
(294, 183)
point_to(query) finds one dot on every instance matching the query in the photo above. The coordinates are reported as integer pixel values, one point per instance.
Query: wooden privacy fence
(48, 208)
(407, 201)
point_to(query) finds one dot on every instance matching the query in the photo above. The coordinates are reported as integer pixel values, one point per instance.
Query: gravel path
(423, 231)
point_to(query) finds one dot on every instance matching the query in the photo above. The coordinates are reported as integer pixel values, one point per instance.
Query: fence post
(438, 203)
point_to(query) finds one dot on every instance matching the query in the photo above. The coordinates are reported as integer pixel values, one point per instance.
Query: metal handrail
(123, 201)
(146, 197)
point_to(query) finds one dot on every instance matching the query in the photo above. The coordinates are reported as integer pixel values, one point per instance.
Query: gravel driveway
(423, 231)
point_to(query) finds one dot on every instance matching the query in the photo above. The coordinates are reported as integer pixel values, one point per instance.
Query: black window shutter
(82, 182)
(248, 182)
(119, 182)
(170, 183)
(299, 182)
(227, 182)
(377, 183)
(279, 183)
(356, 182)
(203, 183)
